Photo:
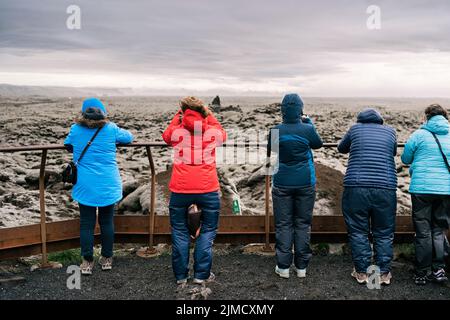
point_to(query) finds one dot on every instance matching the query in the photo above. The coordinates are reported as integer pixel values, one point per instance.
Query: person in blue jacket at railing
(430, 193)
(294, 186)
(99, 185)
(369, 202)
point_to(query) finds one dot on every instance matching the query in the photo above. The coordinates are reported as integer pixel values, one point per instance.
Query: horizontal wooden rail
(55, 236)
(26, 240)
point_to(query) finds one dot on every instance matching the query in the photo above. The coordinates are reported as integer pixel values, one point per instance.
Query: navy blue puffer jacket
(372, 148)
(296, 138)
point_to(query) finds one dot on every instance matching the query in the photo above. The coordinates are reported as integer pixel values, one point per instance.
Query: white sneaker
(211, 278)
(86, 267)
(182, 281)
(301, 273)
(105, 263)
(283, 273)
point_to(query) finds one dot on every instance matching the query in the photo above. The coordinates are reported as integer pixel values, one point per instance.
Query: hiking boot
(211, 278)
(283, 273)
(438, 276)
(301, 273)
(86, 267)
(385, 278)
(420, 279)
(361, 277)
(106, 263)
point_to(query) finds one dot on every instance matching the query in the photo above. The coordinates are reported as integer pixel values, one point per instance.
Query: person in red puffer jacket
(194, 133)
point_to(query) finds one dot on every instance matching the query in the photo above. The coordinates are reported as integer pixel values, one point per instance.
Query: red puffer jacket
(194, 139)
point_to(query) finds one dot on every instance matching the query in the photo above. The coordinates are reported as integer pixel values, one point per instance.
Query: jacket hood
(370, 116)
(191, 118)
(291, 108)
(90, 123)
(438, 125)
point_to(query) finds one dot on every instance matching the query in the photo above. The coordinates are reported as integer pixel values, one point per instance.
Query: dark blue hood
(291, 108)
(370, 116)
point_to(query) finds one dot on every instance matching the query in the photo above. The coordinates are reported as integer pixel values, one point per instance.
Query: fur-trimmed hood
(91, 123)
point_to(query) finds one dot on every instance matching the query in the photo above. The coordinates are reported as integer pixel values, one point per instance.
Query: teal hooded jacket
(429, 174)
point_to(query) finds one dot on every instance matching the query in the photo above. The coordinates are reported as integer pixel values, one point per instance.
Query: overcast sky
(317, 48)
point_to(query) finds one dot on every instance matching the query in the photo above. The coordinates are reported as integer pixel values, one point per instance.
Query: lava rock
(132, 201)
(128, 187)
(51, 177)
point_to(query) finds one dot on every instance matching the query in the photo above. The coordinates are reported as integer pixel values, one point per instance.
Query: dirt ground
(239, 276)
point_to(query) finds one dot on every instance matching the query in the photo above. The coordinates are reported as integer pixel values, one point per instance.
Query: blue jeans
(370, 210)
(88, 218)
(293, 210)
(209, 203)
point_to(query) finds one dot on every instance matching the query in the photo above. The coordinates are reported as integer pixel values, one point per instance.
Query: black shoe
(420, 280)
(438, 276)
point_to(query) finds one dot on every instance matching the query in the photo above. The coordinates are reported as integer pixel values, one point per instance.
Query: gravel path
(239, 276)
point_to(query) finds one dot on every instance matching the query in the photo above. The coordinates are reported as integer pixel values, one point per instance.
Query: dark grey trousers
(293, 210)
(431, 217)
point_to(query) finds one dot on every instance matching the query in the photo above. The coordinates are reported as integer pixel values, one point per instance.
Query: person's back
(428, 150)
(369, 201)
(372, 147)
(296, 139)
(194, 133)
(98, 186)
(99, 182)
(294, 182)
(429, 173)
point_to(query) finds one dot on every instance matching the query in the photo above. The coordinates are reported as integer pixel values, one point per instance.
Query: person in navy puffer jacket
(293, 190)
(369, 202)
(430, 193)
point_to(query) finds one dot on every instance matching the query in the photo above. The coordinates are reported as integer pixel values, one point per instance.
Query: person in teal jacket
(98, 180)
(430, 193)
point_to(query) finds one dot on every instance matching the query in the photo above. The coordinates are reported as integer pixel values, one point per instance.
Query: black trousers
(431, 218)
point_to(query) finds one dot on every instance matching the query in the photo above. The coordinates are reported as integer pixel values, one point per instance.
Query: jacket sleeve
(214, 123)
(346, 142)
(315, 141)
(396, 143)
(68, 143)
(123, 136)
(410, 149)
(173, 125)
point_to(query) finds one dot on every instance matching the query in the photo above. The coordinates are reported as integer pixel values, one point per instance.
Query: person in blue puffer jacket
(430, 193)
(99, 185)
(369, 202)
(293, 189)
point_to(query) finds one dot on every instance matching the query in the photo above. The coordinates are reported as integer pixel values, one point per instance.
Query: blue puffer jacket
(372, 148)
(295, 164)
(99, 182)
(429, 175)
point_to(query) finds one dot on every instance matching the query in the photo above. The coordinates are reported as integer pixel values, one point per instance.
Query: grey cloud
(246, 39)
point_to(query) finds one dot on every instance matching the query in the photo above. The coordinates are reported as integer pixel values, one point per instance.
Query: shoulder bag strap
(88, 145)
(441, 150)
